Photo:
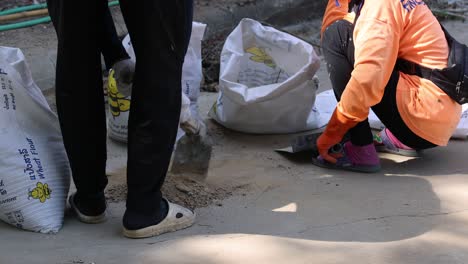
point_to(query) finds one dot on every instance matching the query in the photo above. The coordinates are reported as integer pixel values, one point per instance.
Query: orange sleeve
(336, 10)
(376, 41)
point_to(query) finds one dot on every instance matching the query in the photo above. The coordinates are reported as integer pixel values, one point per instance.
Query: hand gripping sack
(34, 169)
(266, 82)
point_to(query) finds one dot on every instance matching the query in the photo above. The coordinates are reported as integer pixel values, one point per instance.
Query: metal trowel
(306, 143)
(193, 151)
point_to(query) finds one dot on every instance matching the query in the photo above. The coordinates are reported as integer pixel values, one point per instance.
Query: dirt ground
(307, 30)
(190, 191)
(212, 45)
(257, 206)
(187, 191)
(7, 4)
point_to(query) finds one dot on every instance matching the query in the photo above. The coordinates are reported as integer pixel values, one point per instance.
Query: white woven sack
(34, 169)
(119, 105)
(266, 82)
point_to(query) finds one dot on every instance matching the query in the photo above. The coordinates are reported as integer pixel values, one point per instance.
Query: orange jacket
(387, 30)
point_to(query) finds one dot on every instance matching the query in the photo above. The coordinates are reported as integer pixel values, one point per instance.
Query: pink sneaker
(354, 158)
(385, 141)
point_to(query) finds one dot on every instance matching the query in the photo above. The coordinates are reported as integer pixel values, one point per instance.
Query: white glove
(190, 123)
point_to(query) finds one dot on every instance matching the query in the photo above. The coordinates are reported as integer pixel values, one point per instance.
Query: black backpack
(453, 80)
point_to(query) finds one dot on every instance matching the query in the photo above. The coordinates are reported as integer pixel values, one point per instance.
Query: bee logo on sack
(118, 102)
(41, 192)
(260, 56)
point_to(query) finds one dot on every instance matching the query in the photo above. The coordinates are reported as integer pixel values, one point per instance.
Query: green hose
(114, 3)
(22, 9)
(32, 22)
(23, 24)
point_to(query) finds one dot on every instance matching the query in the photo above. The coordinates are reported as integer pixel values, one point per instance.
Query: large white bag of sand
(34, 169)
(119, 105)
(266, 82)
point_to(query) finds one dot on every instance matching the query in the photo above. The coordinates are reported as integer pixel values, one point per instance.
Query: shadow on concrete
(438, 161)
(395, 204)
(292, 205)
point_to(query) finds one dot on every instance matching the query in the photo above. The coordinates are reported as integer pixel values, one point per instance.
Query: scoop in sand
(193, 151)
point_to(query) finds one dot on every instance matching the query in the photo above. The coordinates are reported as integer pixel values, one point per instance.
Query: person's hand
(333, 134)
(324, 143)
(124, 71)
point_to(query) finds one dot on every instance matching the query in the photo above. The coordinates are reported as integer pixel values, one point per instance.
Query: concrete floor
(413, 211)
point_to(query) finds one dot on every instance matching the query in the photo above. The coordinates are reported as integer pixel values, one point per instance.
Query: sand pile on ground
(182, 190)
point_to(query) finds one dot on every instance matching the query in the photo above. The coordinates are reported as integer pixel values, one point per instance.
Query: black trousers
(111, 46)
(158, 33)
(338, 50)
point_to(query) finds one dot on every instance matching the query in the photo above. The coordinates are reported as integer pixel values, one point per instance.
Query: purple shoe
(355, 158)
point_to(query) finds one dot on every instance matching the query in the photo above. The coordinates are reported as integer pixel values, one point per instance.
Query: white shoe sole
(170, 224)
(393, 149)
(85, 218)
(400, 152)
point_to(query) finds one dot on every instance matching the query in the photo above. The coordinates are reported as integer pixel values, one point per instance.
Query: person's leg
(80, 100)
(387, 112)
(188, 22)
(53, 7)
(338, 50)
(159, 44)
(112, 48)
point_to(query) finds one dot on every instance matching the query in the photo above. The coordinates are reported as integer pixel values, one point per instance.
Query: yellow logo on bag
(118, 102)
(261, 56)
(41, 192)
